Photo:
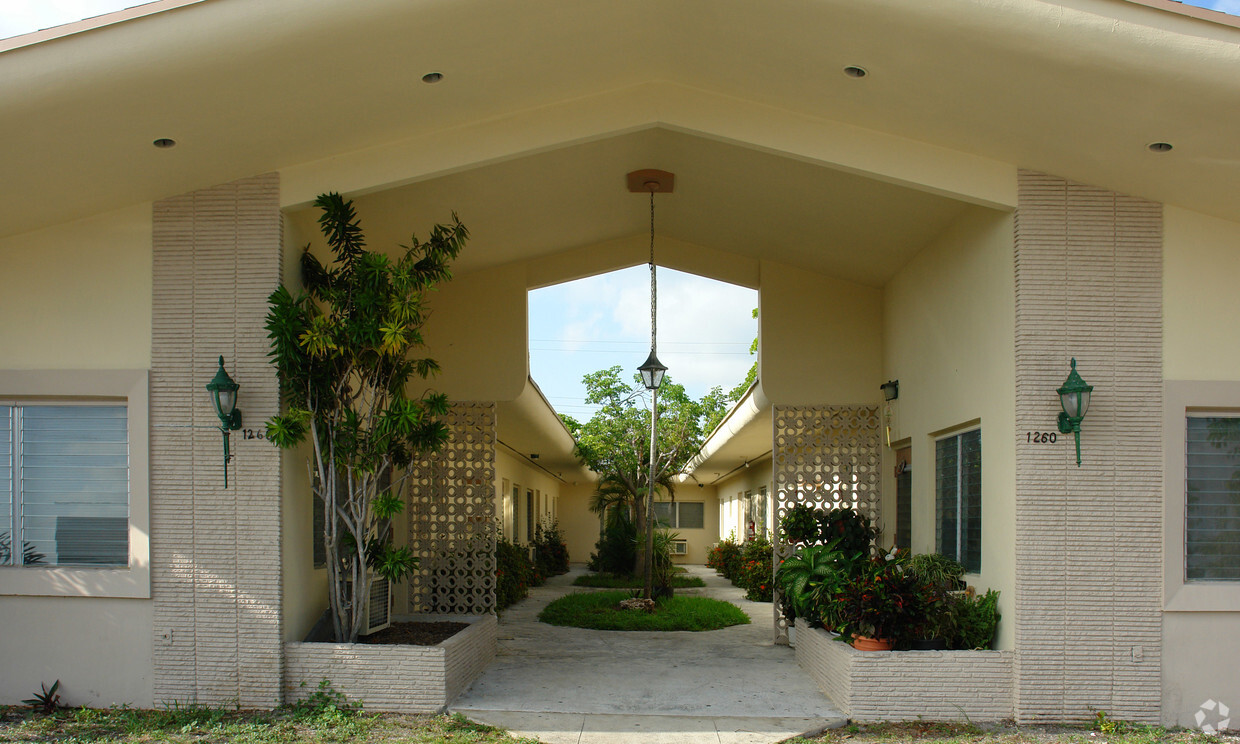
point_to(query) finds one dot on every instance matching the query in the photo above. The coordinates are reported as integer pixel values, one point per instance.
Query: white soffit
(1076, 88)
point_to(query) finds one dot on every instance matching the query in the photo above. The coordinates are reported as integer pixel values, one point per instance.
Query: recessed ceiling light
(1159, 146)
(855, 72)
(164, 143)
(432, 77)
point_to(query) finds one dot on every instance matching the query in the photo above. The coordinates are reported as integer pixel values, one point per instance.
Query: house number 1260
(1041, 437)
(254, 433)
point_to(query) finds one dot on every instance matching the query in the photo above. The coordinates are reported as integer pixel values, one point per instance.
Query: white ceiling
(1073, 87)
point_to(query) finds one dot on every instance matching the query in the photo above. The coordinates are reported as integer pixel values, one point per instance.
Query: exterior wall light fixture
(1074, 397)
(224, 399)
(891, 389)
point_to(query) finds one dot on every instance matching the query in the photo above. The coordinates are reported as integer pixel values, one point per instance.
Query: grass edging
(600, 611)
(617, 581)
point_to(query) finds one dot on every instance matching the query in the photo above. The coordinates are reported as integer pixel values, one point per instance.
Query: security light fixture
(1160, 146)
(891, 389)
(224, 399)
(432, 77)
(1074, 398)
(164, 143)
(854, 71)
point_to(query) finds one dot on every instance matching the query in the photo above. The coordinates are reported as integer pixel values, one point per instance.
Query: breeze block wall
(215, 552)
(1088, 538)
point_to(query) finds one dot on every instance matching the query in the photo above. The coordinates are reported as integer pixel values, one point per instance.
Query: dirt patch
(415, 634)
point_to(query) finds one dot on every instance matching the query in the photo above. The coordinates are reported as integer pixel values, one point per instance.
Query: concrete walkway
(576, 686)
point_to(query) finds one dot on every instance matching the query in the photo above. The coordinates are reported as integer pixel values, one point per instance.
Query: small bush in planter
(976, 619)
(514, 573)
(881, 601)
(550, 552)
(813, 572)
(852, 530)
(799, 525)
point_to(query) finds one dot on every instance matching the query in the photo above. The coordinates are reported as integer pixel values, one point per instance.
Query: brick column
(1089, 538)
(215, 553)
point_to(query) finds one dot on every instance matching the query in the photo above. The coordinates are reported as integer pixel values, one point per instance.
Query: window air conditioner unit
(377, 612)
(680, 547)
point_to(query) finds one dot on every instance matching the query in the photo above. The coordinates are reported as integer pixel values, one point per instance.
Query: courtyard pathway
(576, 686)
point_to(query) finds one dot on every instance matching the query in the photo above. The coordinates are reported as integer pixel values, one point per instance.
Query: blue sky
(23, 16)
(705, 328)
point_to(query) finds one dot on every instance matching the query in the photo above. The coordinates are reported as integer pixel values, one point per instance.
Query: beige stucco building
(980, 207)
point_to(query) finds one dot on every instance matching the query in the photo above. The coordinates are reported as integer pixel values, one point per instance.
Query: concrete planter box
(906, 685)
(400, 679)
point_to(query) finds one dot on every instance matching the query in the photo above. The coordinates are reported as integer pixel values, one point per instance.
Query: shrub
(754, 573)
(616, 549)
(882, 600)
(725, 558)
(799, 524)
(852, 530)
(976, 619)
(550, 552)
(514, 573)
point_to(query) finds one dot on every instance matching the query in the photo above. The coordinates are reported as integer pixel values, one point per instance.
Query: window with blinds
(1212, 499)
(958, 498)
(683, 515)
(65, 471)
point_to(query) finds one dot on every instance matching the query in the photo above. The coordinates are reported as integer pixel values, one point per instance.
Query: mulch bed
(415, 634)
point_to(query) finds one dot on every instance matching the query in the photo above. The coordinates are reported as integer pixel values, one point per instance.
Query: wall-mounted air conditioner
(377, 612)
(680, 547)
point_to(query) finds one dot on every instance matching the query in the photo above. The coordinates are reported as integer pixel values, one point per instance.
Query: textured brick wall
(907, 685)
(402, 679)
(215, 553)
(1088, 548)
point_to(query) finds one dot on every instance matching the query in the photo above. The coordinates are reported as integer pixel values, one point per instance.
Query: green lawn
(201, 725)
(617, 581)
(598, 611)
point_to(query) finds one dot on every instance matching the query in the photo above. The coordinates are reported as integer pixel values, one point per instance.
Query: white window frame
(131, 387)
(1181, 399)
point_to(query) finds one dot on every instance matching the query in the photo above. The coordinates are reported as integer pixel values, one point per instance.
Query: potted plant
(879, 606)
(815, 572)
(852, 530)
(799, 524)
(976, 620)
(938, 576)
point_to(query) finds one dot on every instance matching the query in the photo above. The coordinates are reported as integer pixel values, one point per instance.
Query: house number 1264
(1041, 437)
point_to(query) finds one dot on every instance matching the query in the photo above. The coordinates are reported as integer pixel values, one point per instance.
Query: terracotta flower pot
(864, 643)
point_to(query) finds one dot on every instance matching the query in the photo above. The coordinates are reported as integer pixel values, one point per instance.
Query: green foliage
(725, 557)
(799, 524)
(615, 442)
(600, 611)
(325, 704)
(663, 566)
(976, 619)
(851, 529)
(47, 700)
(938, 570)
(755, 574)
(550, 551)
(514, 573)
(814, 572)
(616, 549)
(629, 581)
(345, 350)
(30, 555)
(880, 600)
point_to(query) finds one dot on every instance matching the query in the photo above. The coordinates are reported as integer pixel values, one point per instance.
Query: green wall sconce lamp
(1074, 397)
(224, 398)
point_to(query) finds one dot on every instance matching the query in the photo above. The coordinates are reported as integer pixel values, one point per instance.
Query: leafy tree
(345, 349)
(615, 442)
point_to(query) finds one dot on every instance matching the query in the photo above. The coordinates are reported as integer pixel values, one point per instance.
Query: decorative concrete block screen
(828, 457)
(401, 679)
(215, 553)
(452, 518)
(908, 685)
(1088, 539)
